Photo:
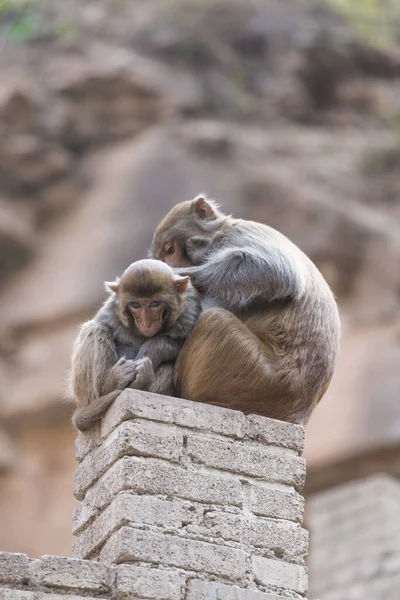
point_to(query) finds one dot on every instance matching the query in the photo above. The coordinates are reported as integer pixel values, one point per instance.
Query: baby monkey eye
(169, 248)
(135, 304)
(154, 304)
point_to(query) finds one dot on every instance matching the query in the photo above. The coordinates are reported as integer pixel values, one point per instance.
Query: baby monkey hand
(144, 374)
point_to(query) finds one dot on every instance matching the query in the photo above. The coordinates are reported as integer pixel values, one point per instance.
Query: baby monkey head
(150, 296)
(190, 221)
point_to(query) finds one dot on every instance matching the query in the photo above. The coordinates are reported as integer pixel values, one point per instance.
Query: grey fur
(109, 356)
(266, 281)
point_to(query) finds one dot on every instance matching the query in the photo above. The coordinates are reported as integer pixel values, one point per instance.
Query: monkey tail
(87, 416)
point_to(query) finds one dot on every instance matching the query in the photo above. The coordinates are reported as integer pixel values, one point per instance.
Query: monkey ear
(181, 284)
(204, 209)
(112, 286)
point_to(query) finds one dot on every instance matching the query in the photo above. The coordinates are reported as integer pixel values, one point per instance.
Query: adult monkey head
(274, 350)
(182, 237)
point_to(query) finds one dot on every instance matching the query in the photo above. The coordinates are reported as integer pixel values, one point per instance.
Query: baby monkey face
(149, 315)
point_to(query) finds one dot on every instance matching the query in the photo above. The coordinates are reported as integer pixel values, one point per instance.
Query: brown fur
(114, 351)
(271, 346)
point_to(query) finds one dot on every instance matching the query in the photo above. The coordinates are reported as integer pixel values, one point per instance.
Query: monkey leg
(224, 363)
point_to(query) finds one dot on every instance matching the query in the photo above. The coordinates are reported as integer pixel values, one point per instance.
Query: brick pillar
(192, 501)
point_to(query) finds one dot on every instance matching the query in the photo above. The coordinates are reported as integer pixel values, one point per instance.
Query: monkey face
(173, 254)
(149, 315)
(187, 222)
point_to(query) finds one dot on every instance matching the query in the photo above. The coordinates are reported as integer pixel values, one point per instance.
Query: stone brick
(151, 476)
(254, 460)
(86, 442)
(83, 514)
(132, 403)
(44, 596)
(280, 574)
(10, 594)
(130, 545)
(276, 502)
(70, 573)
(127, 508)
(14, 568)
(277, 433)
(149, 583)
(130, 438)
(203, 590)
(287, 540)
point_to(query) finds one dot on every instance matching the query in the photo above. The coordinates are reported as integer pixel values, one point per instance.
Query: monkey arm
(238, 276)
(160, 349)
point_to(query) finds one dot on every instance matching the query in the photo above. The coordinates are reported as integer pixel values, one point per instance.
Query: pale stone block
(46, 596)
(285, 539)
(280, 574)
(127, 508)
(254, 460)
(155, 407)
(127, 545)
(87, 441)
(130, 438)
(14, 568)
(10, 594)
(276, 433)
(71, 573)
(204, 590)
(151, 476)
(83, 514)
(149, 583)
(276, 502)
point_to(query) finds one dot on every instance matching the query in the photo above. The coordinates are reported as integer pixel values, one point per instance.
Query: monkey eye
(135, 304)
(169, 248)
(154, 304)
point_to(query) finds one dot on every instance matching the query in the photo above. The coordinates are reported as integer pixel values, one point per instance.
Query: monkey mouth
(151, 328)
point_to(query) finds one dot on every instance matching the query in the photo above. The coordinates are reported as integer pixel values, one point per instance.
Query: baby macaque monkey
(133, 340)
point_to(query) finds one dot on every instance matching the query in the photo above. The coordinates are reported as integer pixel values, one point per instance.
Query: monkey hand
(125, 372)
(186, 271)
(197, 249)
(144, 374)
(195, 278)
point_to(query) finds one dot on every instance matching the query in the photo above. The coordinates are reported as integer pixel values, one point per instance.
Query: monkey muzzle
(148, 321)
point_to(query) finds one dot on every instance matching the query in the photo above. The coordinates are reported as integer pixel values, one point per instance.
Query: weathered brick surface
(356, 540)
(132, 403)
(14, 568)
(255, 460)
(70, 573)
(149, 583)
(288, 540)
(277, 433)
(146, 439)
(280, 574)
(12, 594)
(276, 502)
(153, 476)
(52, 596)
(83, 514)
(85, 442)
(127, 508)
(203, 590)
(127, 545)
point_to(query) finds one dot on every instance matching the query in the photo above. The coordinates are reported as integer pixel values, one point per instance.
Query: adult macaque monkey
(272, 347)
(133, 339)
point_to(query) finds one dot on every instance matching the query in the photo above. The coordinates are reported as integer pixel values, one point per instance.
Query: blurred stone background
(111, 111)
